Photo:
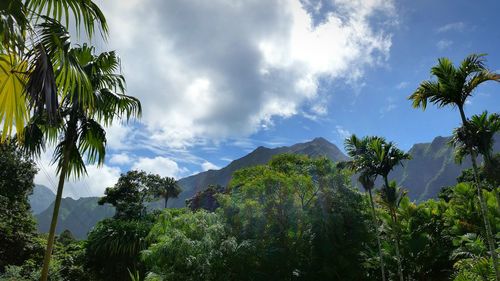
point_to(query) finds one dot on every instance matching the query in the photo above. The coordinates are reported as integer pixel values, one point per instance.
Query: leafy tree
(79, 131)
(472, 265)
(17, 225)
(129, 195)
(165, 188)
(113, 246)
(425, 240)
(191, 246)
(205, 199)
(452, 88)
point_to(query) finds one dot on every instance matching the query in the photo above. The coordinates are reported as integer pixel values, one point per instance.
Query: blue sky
(219, 78)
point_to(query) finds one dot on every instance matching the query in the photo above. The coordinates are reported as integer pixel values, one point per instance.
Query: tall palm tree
(357, 150)
(478, 134)
(390, 198)
(385, 157)
(78, 133)
(168, 188)
(30, 68)
(452, 87)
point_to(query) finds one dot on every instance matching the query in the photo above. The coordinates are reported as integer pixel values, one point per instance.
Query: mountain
(192, 184)
(432, 167)
(79, 216)
(41, 198)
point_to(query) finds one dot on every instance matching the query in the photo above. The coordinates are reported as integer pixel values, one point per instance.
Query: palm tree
(78, 133)
(478, 134)
(31, 68)
(385, 157)
(357, 150)
(167, 188)
(452, 87)
(390, 198)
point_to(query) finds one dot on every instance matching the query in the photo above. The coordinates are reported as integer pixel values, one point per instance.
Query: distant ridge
(261, 155)
(41, 198)
(78, 216)
(431, 168)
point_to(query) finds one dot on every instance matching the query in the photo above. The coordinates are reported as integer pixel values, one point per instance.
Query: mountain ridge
(431, 168)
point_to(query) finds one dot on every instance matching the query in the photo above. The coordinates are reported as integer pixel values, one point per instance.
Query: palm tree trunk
(55, 213)
(482, 204)
(398, 254)
(166, 201)
(375, 223)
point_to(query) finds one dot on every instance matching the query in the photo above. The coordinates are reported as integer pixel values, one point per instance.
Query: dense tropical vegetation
(294, 218)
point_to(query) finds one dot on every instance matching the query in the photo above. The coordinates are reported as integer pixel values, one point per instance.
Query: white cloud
(162, 166)
(221, 69)
(444, 44)
(205, 166)
(342, 132)
(454, 26)
(402, 85)
(120, 159)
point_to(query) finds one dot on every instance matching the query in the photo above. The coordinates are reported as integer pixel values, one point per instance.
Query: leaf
(13, 107)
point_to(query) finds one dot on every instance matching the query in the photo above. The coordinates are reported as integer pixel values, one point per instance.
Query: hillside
(41, 198)
(79, 216)
(431, 168)
(261, 155)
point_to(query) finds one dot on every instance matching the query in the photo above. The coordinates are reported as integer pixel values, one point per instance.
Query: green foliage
(113, 246)
(37, 63)
(17, 226)
(134, 189)
(453, 84)
(190, 246)
(205, 199)
(165, 188)
(128, 195)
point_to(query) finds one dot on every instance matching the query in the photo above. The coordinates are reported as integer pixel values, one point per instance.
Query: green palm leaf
(13, 107)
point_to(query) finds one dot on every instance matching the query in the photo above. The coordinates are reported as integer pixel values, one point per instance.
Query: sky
(219, 78)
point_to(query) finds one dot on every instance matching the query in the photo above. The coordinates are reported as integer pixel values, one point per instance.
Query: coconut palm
(357, 150)
(390, 198)
(452, 87)
(78, 133)
(166, 188)
(31, 68)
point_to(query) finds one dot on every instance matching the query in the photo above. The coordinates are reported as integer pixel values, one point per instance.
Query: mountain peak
(321, 140)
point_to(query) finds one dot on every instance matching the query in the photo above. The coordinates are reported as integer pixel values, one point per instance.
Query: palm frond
(75, 164)
(13, 22)
(425, 90)
(13, 108)
(85, 12)
(41, 87)
(92, 141)
(110, 105)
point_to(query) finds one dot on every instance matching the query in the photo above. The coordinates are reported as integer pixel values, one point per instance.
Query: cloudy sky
(219, 78)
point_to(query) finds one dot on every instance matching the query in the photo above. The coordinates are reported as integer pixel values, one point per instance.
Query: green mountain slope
(431, 168)
(41, 198)
(79, 216)
(261, 155)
